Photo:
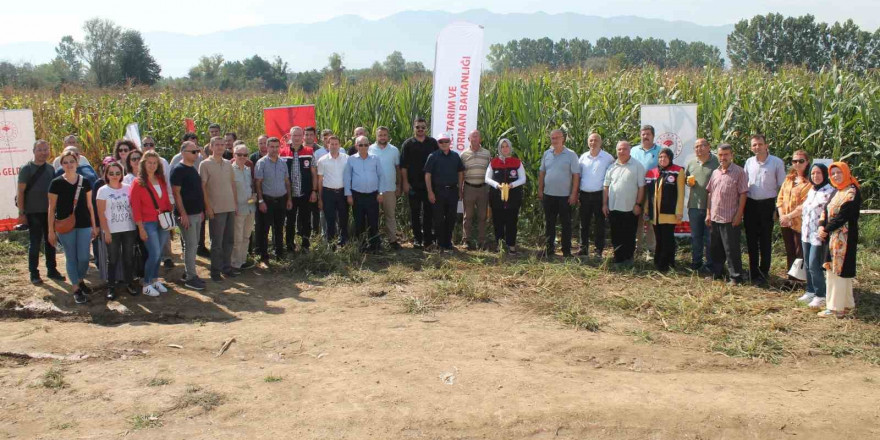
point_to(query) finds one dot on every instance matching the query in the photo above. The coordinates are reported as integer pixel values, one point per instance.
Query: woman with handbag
(117, 228)
(70, 208)
(789, 205)
(814, 248)
(151, 210)
(839, 227)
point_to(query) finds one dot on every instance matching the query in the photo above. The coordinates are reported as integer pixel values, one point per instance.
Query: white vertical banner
(457, 66)
(133, 133)
(675, 127)
(17, 139)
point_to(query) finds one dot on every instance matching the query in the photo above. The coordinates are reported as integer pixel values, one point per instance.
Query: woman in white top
(506, 176)
(132, 163)
(814, 247)
(117, 228)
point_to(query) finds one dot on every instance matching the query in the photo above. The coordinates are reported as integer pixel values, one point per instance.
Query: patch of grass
(12, 250)
(322, 259)
(465, 288)
(54, 379)
(418, 305)
(396, 275)
(196, 396)
(753, 344)
(642, 336)
(159, 381)
(576, 315)
(62, 426)
(272, 379)
(144, 421)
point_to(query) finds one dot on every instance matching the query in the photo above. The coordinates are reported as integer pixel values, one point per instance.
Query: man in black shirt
(190, 202)
(444, 175)
(413, 155)
(33, 208)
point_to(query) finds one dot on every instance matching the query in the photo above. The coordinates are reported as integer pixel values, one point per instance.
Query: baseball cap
(444, 137)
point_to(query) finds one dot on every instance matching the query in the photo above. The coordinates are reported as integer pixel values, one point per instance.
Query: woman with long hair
(789, 204)
(132, 164)
(839, 227)
(70, 195)
(122, 149)
(505, 177)
(149, 198)
(665, 189)
(814, 248)
(117, 228)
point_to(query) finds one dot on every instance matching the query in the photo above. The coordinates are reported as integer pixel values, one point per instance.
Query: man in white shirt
(766, 173)
(594, 163)
(331, 192)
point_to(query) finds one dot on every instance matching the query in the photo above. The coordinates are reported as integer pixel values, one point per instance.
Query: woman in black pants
(505, 176)
(117, 228)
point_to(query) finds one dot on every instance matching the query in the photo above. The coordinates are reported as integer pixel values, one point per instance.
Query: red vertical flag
(279, 120)
(189, 125)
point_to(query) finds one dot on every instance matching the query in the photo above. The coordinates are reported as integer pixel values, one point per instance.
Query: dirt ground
(325, 360)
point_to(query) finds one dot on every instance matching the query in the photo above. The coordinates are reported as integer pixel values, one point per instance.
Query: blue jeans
(156, 238)
(699, 233)
(814, 256)
(76, 245)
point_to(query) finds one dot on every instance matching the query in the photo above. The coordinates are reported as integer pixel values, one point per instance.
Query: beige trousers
(244, 225)
(839, 292)
(476, 208)
(389, 210)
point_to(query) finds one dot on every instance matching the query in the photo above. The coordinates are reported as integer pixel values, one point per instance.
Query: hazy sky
(48, 20)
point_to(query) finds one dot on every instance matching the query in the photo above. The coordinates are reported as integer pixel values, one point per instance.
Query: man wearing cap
(558, 183)
(444, 176)
(475, 192)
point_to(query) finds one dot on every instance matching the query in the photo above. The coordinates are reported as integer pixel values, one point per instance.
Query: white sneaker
(158, 286)
(150, 291)
(817, 303)
(807, 297)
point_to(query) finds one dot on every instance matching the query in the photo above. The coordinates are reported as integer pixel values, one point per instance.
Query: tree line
(110, 55)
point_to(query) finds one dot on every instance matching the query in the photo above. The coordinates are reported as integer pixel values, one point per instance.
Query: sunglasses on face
(798, 161)
(149, 144)
(421, 127)
(191, 151)
(114, 173)
(443, 142)
(135, 158)
(363, 145)
(123, 150)
(241, 154)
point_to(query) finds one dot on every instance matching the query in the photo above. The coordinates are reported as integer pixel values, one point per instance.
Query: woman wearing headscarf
(789, 203)
(839, 227)
(814, 248)
(505, 177)
(665, 189)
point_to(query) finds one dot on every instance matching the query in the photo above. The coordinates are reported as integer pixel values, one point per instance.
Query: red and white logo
(671, 141)
(8, 131)
(306, 163)
(670, 179)
(512, 173)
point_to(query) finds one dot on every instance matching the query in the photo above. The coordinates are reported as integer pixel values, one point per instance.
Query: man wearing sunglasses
(414, 153)
(186, 185)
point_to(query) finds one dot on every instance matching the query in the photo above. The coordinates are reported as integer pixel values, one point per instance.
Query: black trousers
(623, 234)
(591, 210)
(366, 215)
(421, 217)
(38, 233)
(758, 221)
(275, 211)
(725, 247)
(253, 246)
(299, 217)
(445, 213)
(335, 214)
(664, 251)
(121, 249)
(505, 215)
(557, 206)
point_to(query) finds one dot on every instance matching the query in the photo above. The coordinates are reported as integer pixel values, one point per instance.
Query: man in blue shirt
(362, 180)
(647, 154)
(389, 157)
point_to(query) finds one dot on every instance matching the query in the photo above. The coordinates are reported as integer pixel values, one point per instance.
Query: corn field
(832, 114)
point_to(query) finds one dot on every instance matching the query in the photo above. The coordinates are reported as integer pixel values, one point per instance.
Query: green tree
(394, 66)
(335, 67)
(68, 54)
(99, 50)
(134, 61)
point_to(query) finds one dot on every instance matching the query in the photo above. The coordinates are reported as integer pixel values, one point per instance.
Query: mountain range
(362, 41)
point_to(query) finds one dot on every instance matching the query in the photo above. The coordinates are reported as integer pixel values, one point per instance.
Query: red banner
(279, 120)
(189, 125)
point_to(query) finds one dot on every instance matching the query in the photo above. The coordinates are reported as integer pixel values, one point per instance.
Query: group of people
(126, 211)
